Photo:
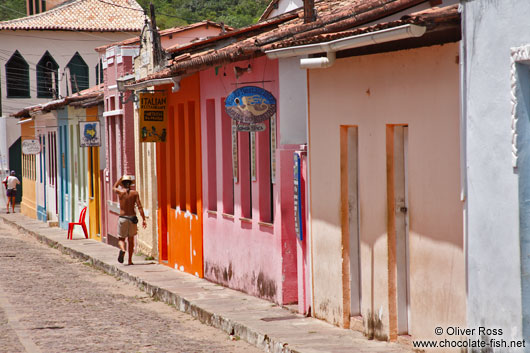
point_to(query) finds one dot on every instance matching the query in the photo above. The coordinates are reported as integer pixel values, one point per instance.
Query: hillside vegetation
(235, 13)
(171, 13)
(10, 9)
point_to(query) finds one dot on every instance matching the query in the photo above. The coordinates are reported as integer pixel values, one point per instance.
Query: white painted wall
(4, 156)
(286, 6)
(490, 29)
(292, 102)
(62, 45)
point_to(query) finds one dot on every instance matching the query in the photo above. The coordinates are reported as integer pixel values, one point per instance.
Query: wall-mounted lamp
(121, 82)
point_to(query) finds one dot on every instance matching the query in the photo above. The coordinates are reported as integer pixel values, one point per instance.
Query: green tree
(235, 13)
(11, 9)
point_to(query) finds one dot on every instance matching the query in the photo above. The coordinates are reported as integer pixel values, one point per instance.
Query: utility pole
(158, 54)
(309, 11)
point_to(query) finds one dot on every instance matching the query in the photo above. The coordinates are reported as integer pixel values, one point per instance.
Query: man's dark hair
(126, 183)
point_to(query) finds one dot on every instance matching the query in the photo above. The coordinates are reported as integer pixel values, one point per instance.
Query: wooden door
(179, 180)
(93, 192)
(397, 146)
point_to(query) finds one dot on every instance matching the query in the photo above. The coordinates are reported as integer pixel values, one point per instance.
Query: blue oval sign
(250, 104)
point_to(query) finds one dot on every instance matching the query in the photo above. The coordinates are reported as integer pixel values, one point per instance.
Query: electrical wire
(124, 7)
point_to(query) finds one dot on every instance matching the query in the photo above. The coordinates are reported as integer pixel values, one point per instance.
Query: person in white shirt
(10, 183)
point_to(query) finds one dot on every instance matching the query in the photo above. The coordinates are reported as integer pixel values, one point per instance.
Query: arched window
(99, 72)
(78, 73)
(17, 77)
(47, 77)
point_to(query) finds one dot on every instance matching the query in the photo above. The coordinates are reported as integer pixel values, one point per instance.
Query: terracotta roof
(336, 19)
(85, 98)
(431, 18)
(166, 32)
(84, 15)
(238, 33)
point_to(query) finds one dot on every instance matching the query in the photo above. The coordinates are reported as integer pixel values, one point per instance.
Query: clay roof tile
(84, 15)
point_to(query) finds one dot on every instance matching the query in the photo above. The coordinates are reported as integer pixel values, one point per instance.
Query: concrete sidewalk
(257, 321)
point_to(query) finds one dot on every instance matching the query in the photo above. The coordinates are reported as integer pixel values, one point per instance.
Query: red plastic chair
(80, 223)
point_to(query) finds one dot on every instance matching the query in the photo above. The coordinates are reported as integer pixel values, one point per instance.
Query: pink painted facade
(248, 231)
(119, 131)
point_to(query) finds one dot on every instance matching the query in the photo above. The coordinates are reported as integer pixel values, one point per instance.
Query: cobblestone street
(52, 303)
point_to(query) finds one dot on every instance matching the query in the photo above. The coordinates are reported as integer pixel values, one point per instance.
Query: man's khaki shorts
(126, 228)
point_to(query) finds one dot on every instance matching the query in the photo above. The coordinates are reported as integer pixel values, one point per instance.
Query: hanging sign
(253, 156)
(273, 148)
(89, 133)
(250, 105)
(153, 117)
(298, 219)
(235, 160)
(251, 127)
(31, 146)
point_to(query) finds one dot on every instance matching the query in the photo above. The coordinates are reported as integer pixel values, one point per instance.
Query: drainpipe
(321, 62)
(357, 41)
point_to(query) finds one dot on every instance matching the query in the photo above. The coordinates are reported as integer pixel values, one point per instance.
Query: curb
(231, 327)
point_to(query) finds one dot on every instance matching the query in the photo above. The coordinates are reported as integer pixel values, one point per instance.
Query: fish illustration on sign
(90, 131)
(250, 105)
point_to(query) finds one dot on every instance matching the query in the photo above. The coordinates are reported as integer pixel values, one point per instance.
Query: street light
(121, 83)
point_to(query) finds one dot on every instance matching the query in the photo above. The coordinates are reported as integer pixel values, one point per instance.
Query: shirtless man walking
(127, 227)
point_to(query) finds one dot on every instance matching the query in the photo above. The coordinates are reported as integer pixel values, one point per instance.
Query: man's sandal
(120, 256)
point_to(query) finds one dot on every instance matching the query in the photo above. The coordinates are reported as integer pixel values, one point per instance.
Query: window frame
(19, 81)
(40, 73)
(84, 66)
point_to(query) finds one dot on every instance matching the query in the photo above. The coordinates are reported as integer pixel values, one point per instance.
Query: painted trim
(130, 52)
(41, 213)
(520, 55)
(113, 206)
(113, 113)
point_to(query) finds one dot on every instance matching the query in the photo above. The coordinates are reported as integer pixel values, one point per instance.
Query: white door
(401, 224)
(350, 212)
(51, 175)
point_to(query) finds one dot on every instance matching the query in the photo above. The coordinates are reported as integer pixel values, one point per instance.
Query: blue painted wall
(63, 169)
(497, 196)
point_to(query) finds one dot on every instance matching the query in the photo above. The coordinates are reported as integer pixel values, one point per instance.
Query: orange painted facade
(179, 181)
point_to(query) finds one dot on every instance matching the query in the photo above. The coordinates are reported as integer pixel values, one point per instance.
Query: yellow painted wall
(94, 202)
(418, 87)
(28, 206)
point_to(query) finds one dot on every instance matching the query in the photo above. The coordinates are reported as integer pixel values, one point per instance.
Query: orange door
(179, 175)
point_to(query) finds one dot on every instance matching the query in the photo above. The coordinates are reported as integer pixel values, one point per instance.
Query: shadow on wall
(523, 173)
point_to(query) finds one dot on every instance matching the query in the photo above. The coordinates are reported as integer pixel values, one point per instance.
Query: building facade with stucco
(495, 105)
(50, 54)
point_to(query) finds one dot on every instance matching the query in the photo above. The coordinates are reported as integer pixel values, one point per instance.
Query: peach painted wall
(420, 88)
(29, 203)
(188, 35)
(242, 252)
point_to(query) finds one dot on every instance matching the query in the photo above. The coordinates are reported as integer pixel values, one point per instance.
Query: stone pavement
(257, 321)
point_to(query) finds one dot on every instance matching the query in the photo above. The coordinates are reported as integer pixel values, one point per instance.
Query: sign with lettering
(235, 159)
(251, 127)
(31, 146)
(272, 126)
(298, 219)
(89, 133)
(153, 122)
(250, 105)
